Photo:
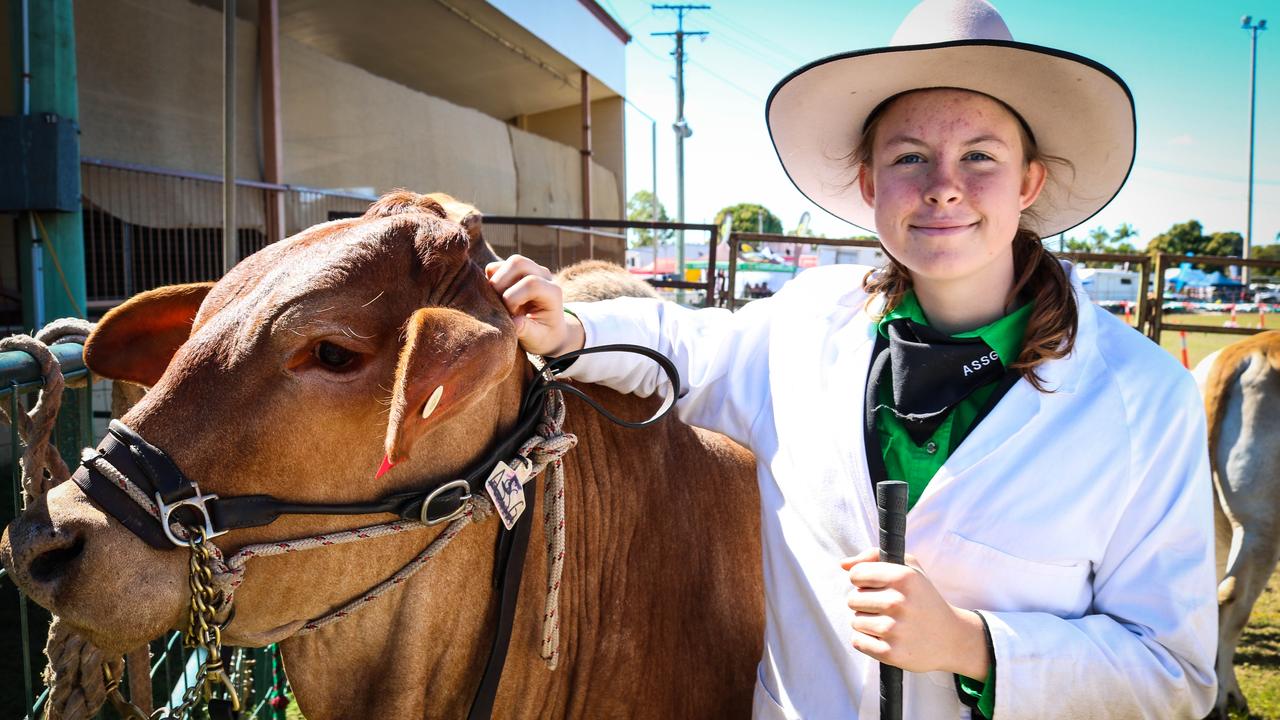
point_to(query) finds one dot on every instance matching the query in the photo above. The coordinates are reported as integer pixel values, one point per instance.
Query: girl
(1060, 507)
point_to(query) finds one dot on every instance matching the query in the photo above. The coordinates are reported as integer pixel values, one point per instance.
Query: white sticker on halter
(506, 489)
(434, 400)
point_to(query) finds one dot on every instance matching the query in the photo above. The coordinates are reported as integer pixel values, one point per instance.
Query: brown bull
(294, 375)
(1241, 385)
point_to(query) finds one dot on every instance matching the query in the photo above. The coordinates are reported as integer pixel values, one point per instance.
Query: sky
(1186, 62)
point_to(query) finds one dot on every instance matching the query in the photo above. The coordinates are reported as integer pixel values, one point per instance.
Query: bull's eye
(334, 357)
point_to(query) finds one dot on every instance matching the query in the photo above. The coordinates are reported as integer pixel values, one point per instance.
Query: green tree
(640, 209)
(750, 217)
(1265, 252)
(1183, 238)
(1189, 238)
(1230, 244)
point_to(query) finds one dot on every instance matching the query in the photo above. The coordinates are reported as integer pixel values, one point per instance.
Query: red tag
(386, 465)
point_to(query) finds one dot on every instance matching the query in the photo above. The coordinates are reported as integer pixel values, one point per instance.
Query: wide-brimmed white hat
(1076, 109)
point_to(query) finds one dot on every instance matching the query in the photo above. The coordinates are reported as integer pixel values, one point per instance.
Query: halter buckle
(462, 505)
(196, 501)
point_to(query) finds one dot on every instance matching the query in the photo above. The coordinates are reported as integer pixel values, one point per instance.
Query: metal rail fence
(1158, 324)
(559, 242)
(23, 625)
(1149, 318)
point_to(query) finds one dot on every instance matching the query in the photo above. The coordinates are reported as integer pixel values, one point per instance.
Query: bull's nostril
(49, 565)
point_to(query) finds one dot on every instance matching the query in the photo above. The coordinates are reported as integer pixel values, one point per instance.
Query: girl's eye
(334, 357)
(978, 155)
(909, 159)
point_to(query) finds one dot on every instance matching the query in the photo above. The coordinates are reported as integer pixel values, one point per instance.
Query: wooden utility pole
(681, 127)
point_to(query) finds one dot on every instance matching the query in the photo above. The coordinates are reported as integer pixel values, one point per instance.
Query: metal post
(682, 131)
(586, 145)
(229, 233)
(52, 255)
(272, 133)
(1253, 94)
(732, 279)
(653, 185)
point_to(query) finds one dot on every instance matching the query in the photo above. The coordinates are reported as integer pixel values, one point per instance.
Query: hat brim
(1078, 110)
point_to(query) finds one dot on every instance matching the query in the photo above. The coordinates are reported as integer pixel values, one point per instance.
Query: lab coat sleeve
(721, 357)
(1146, 648)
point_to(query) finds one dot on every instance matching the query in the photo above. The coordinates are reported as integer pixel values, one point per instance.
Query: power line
(728, 82)
(759, 42)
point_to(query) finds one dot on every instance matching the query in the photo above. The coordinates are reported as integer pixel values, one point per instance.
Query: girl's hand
(536, 306)
(900, 619)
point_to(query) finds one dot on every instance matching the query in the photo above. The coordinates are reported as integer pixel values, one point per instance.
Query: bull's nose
(54, 555)
(39, 554)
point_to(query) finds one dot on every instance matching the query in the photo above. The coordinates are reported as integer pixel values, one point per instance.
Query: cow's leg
(1247, 577)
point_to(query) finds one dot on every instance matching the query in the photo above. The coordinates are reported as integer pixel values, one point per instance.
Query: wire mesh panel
(147, 227)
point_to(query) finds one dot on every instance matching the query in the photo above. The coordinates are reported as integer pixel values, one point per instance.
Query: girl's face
(949, 180)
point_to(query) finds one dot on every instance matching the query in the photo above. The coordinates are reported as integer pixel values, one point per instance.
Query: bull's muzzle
(40, 555)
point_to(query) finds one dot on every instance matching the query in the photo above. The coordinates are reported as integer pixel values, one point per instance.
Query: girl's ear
(1032, 183)
(866, 185)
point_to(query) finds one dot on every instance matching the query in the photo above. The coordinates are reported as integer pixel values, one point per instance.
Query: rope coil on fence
(75, 676)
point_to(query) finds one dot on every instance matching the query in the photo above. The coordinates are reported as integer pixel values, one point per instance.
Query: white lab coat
(1080, 521)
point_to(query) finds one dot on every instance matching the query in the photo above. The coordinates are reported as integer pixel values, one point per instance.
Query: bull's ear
(449, 359)
(136, 340)
(471, 220)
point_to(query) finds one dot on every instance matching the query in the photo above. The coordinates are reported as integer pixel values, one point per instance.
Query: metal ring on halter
(196, 501)
(462, 503)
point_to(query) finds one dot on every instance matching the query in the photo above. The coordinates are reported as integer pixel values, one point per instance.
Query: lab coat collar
(1063, 376)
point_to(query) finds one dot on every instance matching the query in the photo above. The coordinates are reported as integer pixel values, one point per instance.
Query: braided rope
(546, 450)
(42, 466)
(74, 672)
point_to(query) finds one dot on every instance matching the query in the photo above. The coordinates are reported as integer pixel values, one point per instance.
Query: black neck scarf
(931, 373)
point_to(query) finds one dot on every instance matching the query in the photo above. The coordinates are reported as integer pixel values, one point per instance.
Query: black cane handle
(891, 502)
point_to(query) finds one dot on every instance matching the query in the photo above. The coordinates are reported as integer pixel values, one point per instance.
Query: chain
(202, 633)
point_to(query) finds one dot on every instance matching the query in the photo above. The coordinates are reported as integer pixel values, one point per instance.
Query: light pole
(1247, 23)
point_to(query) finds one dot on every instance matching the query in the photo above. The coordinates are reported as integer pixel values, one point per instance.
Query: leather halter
(154, 472)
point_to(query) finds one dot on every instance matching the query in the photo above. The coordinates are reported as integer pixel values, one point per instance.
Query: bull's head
(294, 375)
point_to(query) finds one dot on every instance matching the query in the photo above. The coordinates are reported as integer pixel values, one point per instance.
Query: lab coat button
(931, 447)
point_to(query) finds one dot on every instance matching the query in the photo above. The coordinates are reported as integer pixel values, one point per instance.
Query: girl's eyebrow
(908, 140)
(986, 138)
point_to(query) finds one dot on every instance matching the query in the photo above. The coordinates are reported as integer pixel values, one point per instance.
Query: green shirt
(917, 464)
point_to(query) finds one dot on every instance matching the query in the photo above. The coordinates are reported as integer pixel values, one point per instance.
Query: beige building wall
(151, 93)
(565, 126)
(150, 74)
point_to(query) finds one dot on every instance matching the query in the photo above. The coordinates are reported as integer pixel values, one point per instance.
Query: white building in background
(1106, 285)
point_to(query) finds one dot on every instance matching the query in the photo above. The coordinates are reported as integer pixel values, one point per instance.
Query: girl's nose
(943, 189)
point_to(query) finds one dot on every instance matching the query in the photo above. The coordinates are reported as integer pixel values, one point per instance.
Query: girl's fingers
(868, 555)
(531, 295)
(872, 647)
(872, 625)
(503, 275)
(879, 574)
(886, 601)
